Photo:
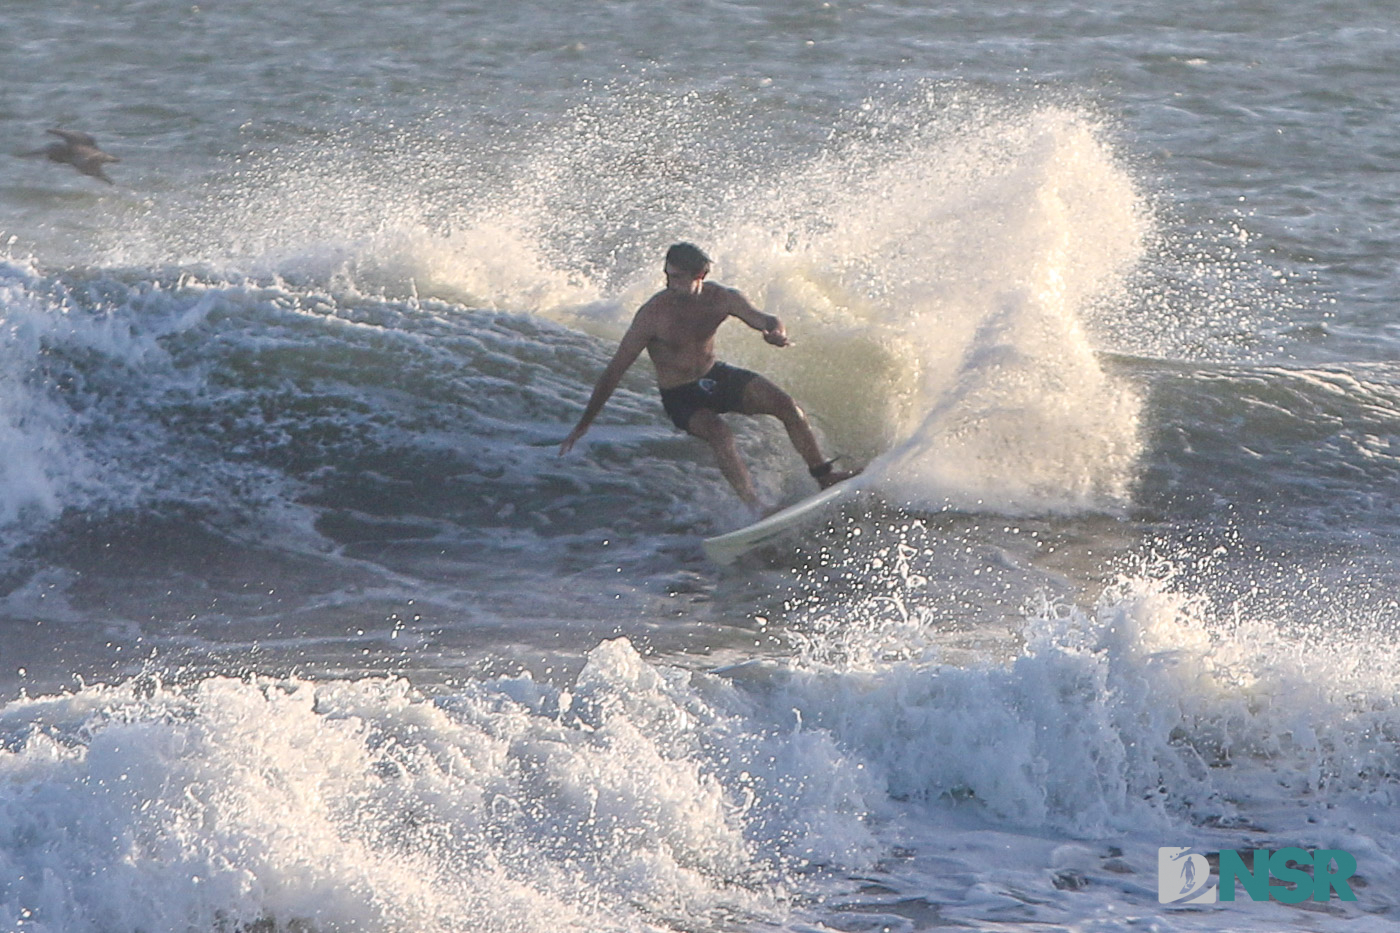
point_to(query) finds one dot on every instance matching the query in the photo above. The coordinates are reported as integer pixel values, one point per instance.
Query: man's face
(684, 283)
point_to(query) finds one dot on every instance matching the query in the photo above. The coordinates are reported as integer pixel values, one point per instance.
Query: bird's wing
(74, 137)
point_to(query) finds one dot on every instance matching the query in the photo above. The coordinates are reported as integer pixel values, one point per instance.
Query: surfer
(677, 327)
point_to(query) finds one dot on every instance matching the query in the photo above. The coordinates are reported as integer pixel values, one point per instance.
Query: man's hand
(776, 334)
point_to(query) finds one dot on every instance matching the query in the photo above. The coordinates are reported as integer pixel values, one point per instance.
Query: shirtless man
(676, 327)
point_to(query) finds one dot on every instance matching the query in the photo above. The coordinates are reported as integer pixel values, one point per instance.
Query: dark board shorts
(720, 390)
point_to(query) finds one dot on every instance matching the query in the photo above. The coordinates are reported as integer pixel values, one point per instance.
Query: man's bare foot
(834, 477)
(826, 477)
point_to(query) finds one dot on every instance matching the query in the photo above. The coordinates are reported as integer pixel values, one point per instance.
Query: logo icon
(1183, 877)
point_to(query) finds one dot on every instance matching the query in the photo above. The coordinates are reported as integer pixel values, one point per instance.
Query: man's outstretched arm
(631, 346)
(769, 324)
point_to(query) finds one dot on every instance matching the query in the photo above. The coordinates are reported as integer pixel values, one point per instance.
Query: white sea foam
(637, 793)
(1154, 718)
(1149, 709)
(966, 261)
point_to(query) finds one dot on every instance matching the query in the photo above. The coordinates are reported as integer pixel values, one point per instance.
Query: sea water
(305, 625)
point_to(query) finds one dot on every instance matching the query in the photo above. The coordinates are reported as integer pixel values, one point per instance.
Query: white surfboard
(727, 548)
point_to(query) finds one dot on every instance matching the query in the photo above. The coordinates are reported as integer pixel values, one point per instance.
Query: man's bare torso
(681, 332)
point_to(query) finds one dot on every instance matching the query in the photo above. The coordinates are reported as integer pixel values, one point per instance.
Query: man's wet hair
(688, 258)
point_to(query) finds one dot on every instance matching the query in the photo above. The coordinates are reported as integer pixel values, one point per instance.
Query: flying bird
(78, 150)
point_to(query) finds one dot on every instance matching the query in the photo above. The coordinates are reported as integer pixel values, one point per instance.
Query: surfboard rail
(725, 549)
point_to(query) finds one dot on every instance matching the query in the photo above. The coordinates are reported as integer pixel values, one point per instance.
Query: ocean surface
(306, 627)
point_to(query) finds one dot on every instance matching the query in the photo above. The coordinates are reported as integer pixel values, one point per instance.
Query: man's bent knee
(786, 410)
(762, 397)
